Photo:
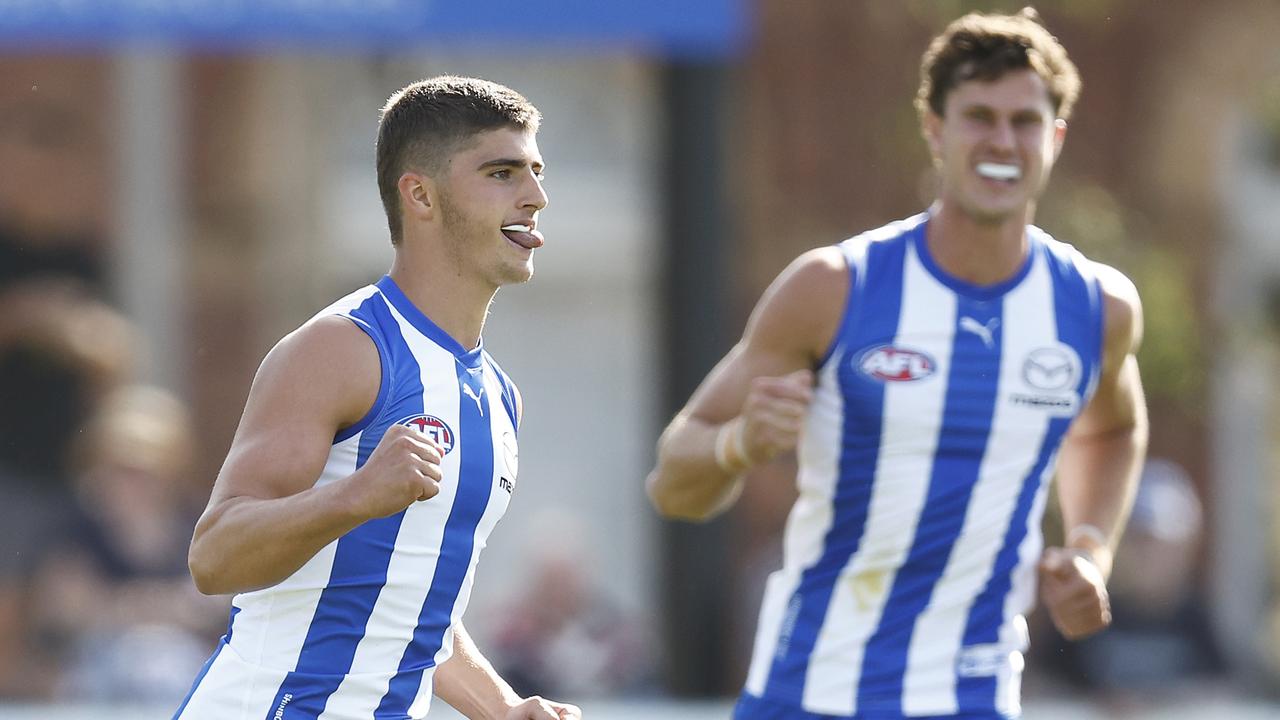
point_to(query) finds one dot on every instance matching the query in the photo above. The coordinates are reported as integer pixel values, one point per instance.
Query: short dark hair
(984, 47)
(424, 124)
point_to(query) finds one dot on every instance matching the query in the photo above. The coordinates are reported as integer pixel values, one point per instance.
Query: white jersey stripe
(903, 468)
(809, 521)
(395, 614)
(935, 651)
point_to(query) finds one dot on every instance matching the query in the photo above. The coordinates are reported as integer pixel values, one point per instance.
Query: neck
(443, 294)
(974, 250)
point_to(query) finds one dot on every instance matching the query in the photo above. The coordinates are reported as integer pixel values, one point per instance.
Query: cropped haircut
(426, 123)
(985, 47)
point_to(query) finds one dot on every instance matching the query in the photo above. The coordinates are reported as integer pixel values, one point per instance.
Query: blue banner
(510, 27)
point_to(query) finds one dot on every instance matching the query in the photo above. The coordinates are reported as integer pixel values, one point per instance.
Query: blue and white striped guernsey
(911, 552)
(358, 631)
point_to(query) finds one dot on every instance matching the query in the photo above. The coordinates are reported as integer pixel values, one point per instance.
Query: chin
(996, 213)
(516, 276)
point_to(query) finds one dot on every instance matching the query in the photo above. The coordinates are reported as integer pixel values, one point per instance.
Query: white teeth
(517, 228)
(999, 171)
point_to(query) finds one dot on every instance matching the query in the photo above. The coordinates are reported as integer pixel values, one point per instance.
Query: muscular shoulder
(1121, 312)
(328, 365)
(802, 308)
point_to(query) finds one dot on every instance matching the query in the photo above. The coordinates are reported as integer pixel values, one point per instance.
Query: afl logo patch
(433, 427)
(887, 363)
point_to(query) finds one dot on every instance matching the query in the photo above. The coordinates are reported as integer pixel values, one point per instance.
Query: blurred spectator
(563, 636)
(60, 352)
(114, 605)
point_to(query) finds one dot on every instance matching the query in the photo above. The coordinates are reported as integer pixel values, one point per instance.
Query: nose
(1002, 136)
(535, 196)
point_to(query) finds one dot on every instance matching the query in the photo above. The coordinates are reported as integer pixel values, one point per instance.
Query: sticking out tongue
(523, 236)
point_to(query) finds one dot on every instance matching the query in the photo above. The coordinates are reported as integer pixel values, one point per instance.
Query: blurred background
(183, 183)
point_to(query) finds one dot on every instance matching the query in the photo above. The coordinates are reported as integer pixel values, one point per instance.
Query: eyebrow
(510, 162)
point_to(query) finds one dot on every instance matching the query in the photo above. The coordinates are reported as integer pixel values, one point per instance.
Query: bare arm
(1098, 470)
(1102, 453)
(266, 518)
(753, 402)
(468, 682)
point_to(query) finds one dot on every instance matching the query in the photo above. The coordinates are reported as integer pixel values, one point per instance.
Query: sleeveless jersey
(911, 552)
(358, 631)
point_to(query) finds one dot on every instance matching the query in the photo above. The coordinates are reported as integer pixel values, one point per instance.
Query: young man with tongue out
(933, 376)
(378, 446)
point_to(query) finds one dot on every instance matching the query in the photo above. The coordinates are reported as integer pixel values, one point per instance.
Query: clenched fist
(404, 468)
(1074, 592)
(536, 708)
(770, 422)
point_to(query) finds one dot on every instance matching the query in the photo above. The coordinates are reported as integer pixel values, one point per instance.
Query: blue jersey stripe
(475, 482)
(1071, 292)
(383, 384)
(877, 293)
(424, 325)
(508, 393)
(360, 561)
(968, 409)
(853, 259)
(1080, 330)
(987, 613)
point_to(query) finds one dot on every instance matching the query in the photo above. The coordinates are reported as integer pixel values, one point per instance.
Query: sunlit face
(995, 145)
(490, 195)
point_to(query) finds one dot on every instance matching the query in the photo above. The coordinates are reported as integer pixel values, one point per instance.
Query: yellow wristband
(1088, 532)
(1093, 542)
(731, 456)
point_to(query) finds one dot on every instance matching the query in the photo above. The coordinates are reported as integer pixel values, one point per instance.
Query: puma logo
(474, 396)
(984, 331)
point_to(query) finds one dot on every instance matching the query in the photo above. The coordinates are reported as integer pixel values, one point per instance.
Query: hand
(403, 469)
(773, 415)
(1074, 592)
(536, 708)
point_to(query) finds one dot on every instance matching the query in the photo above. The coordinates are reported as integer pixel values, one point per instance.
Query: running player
(933, 375)
(378, 447)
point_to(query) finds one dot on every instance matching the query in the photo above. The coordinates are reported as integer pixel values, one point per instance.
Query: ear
(1059, 136)
(417, 195)
(931, 129)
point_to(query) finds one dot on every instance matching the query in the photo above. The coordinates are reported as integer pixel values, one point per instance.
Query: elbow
(688, 514)
(204, 578)
(671, 505)
(204, 571)
(213, 558)
(209, 564)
